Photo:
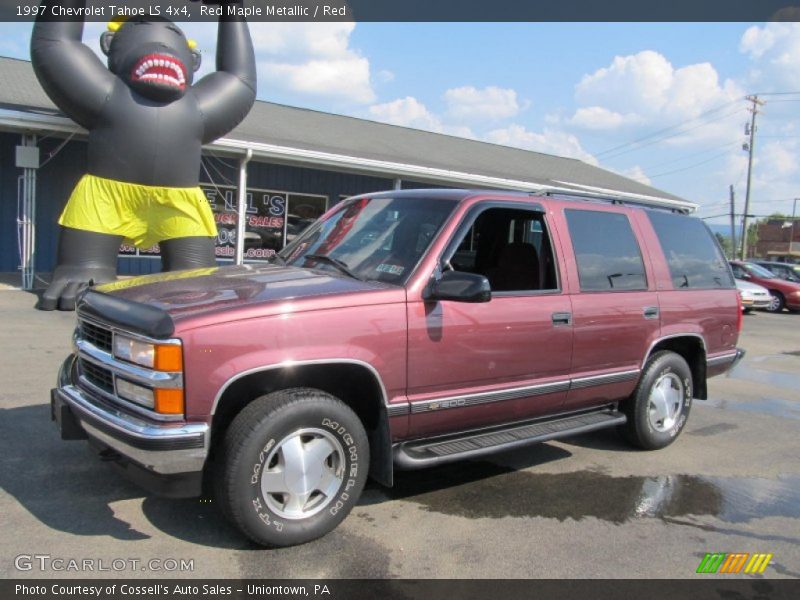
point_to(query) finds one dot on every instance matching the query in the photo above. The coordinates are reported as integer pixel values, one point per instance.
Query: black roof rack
(613, 197)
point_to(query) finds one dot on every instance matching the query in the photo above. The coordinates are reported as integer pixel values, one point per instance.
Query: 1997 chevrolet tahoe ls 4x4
(403, 329)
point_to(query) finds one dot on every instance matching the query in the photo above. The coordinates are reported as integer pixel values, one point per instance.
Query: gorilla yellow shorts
(142, 214)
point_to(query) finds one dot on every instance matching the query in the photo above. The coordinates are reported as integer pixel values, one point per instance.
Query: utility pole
(733, 225)
(794, 220)
(751, 130)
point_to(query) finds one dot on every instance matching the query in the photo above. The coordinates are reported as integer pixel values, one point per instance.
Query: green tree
(725, 244)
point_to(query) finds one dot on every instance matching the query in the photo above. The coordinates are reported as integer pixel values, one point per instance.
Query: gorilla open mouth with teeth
(159, 69)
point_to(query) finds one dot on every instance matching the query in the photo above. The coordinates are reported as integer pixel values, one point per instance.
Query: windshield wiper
(278, 259)
(339, 264)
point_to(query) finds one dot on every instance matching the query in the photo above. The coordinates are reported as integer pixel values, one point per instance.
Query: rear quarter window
(606, 250)
(693, 255)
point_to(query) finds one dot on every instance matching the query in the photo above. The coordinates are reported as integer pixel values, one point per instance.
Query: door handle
(650, 312)
(561, 318)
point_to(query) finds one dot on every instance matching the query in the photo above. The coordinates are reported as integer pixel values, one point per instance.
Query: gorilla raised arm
(226, 96)
(147, 123)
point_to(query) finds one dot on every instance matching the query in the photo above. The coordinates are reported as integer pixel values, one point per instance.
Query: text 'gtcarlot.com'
(46, 562)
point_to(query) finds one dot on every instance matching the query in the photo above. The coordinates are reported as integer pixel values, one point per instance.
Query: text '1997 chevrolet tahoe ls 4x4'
(403, 329)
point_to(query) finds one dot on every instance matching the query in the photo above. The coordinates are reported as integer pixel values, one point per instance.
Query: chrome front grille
(99, 377)
(97, 336)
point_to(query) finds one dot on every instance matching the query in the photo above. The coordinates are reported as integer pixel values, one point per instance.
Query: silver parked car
(753, 295)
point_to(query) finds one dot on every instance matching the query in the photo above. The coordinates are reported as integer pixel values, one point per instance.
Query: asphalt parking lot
(586, 507)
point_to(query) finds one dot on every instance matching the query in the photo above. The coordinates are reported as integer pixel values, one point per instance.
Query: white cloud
(410, 112)
(631, 84)
(636, 172)
(646, 90)
(778, 160)
(599, 118)
(313, 59)
(406, 112)
(384, 76)
(549, 141)
(774, 50)
(343, 79)
(489, 103)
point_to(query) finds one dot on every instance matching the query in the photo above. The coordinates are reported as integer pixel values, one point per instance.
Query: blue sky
(573, 89)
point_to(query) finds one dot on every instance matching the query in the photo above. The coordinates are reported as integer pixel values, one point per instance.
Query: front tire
(777, 303)
(293, 465)
(659, 407)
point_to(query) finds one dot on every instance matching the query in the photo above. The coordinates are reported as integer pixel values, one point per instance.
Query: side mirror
(460, 287)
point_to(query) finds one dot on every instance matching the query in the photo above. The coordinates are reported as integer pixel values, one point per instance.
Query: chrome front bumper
(162, 448)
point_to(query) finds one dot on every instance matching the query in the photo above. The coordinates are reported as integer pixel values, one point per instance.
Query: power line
(701, 163)
(666, 129)
(688, 156)
(672, 135)
(711, 111)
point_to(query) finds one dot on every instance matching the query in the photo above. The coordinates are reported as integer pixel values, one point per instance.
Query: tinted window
(759, 271)
(692, 253)
(606, 250)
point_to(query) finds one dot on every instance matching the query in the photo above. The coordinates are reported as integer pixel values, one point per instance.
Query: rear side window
(692, 253)
(606, 250)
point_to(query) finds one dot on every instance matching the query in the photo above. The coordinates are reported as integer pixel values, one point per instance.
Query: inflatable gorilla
(147, 123)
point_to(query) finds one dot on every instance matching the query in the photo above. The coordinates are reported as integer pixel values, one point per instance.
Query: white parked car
(753, 295)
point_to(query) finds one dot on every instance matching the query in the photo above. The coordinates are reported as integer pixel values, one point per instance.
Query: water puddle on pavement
(776, 407)
(780, 379)
(487, 490)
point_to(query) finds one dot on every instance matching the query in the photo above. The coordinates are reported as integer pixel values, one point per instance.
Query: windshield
(759, 271)
(379, 239)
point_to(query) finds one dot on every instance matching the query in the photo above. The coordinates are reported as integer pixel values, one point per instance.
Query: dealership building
(271, 176)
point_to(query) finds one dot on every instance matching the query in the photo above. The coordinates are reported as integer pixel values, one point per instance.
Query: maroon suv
(785, 294)
(401, 330)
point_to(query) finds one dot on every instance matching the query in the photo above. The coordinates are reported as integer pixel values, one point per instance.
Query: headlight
(161, 357)
(140, 353)
(163, 401)
(135, 393)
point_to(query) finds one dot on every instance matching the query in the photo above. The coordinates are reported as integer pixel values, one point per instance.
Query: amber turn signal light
(168, 358)
(169, 401)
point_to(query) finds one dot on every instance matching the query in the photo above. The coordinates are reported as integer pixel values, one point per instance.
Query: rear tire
(293, 465)
(659, 407)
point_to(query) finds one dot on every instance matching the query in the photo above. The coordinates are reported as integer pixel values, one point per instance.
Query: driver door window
(511, 248)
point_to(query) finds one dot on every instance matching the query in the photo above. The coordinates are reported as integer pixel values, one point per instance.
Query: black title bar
(417, 10)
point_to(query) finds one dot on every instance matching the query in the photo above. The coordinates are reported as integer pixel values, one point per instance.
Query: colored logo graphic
(734, 562)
